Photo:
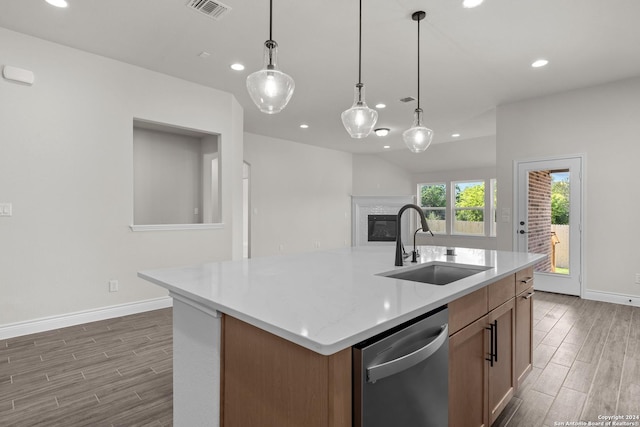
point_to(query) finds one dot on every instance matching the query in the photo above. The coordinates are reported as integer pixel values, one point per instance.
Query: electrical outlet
(113, 286)
(637, 278)
(6, 209)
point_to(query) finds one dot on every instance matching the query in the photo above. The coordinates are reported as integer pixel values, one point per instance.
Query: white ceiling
(472, 59)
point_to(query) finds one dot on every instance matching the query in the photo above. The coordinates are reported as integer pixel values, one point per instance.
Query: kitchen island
(319, 304)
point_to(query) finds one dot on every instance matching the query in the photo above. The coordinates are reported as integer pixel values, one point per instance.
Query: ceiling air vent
(212, 9)
(407, 99)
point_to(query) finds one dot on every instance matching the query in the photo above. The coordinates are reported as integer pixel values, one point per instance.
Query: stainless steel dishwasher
(401, 376)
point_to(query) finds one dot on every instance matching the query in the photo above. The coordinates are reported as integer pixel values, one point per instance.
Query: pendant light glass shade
(270, 89)
(359, 120)
(418, 137)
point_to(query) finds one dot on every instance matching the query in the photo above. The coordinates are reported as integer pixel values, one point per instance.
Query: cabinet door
(502, 374)
(524, 343)
(269, 381)
(468, 370)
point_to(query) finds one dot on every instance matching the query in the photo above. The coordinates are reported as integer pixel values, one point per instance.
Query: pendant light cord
(418, 64)
(360, 45)
(270, 18)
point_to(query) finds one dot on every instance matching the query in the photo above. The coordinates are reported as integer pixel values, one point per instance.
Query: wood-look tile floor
(586, 364)
(116, 372)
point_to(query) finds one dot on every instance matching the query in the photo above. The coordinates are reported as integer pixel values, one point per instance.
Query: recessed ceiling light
(455, 135)
(58, 3)
(387, 146)
(381, 105)
(304, 126)
(468, 4)
(539, 63)
(237, 66)
(382, 131)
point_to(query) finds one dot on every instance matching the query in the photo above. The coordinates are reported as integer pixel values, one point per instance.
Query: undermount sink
(436, 273)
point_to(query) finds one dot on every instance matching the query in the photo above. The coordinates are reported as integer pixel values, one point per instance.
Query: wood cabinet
(468, 376)
(501, 372)
(269, 381)
(484, 351)
(524, 324)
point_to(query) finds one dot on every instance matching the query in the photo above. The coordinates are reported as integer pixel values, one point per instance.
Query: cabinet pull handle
(495, 341)
(528, 280)
(529, 295)
(491, 354)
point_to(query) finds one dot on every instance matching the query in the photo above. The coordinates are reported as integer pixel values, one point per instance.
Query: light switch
(506, 214)
(6, 209)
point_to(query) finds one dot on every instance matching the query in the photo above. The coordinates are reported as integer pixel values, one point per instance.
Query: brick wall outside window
(539, 213)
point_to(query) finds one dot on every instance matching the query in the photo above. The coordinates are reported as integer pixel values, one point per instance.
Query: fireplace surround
(374, 219)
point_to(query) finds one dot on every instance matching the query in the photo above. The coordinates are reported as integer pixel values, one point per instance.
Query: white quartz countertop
(328, 301)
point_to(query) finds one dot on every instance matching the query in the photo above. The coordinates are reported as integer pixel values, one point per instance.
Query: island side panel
(197, 335)
(269, 381)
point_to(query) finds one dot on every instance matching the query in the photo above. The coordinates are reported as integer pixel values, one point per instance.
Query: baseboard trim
(12, 330)
(632, 300)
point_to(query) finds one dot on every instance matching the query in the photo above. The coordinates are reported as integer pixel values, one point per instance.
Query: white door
(549, 221)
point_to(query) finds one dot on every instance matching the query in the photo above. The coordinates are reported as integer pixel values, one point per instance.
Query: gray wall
(601, 122)
(167, 178)
(300, 196)
(66, 164)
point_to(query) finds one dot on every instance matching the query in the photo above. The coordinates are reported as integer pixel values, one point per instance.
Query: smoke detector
(212, 9)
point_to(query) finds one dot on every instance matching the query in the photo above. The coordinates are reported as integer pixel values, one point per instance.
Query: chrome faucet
(425, 227)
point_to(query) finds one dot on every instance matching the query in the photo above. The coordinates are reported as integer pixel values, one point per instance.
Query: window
(433, 201)
(460, 207)
(468, 213)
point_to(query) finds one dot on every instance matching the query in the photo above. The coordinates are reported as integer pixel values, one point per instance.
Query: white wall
(479, 242)
(66, 165)
(374, 176)
(168, 170)
(602, 122)
(300, 196)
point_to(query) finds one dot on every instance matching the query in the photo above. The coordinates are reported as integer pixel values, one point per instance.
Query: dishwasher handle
(392, 367)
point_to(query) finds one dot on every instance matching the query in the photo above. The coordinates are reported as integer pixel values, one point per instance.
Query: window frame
(455, 209)
(444, 209)
(489, 209)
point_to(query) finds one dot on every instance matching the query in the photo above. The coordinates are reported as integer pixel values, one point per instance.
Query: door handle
(392, 367)
(529, 295)
(528, 280)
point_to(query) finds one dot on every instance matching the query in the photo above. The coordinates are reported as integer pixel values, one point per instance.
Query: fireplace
(374, 219)
(382, 228)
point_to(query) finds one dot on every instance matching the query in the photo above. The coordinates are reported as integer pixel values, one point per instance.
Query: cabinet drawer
(501, 291)
(524, 280)
(467, 309)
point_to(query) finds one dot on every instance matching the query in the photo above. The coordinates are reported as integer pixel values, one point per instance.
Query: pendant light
(418, 137)
(270, 89)
(359, 120)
